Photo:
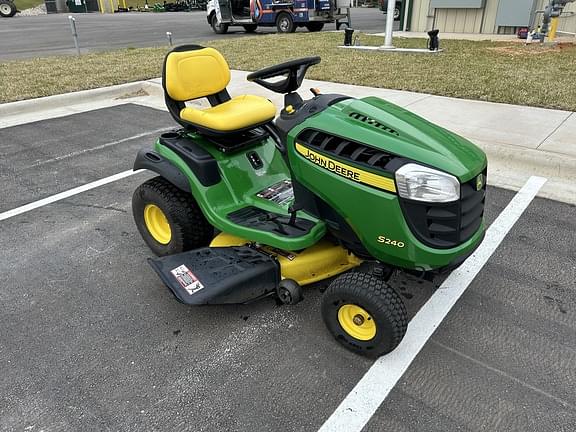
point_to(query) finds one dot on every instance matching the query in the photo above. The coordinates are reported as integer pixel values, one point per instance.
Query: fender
(150, 160)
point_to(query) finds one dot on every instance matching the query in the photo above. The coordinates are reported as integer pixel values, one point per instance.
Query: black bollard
(434, 42)
(348, 32)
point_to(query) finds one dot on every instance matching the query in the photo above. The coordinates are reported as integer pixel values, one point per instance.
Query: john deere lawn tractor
(248, 204)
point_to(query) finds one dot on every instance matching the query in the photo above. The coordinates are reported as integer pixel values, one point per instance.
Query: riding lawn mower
(248, 205)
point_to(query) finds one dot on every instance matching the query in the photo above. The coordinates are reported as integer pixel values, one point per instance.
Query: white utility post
(389, 25)
(406, 9)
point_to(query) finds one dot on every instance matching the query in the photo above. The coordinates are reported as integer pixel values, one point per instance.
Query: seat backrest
(193, 71)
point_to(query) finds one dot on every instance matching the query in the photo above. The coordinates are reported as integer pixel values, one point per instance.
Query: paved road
(50, 34)
(91, 340)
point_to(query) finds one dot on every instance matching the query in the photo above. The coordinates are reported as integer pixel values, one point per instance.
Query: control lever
(293, 209)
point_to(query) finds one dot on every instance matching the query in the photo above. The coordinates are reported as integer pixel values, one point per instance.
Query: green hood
(386, 126)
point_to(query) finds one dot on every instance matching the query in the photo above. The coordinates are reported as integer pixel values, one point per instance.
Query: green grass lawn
(27, 4)
(492, 71)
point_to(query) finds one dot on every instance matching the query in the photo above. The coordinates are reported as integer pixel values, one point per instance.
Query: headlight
(420, 183)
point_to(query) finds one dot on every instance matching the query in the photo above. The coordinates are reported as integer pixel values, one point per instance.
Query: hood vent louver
(370, 121)
(344, 148)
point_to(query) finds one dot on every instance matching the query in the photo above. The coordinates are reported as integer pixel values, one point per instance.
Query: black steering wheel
(294, 70)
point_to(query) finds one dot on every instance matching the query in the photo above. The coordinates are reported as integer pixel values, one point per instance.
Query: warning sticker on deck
(280, 193)
(187, 279)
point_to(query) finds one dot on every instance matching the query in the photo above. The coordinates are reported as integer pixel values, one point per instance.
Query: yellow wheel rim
(157, 224)
(355, 321)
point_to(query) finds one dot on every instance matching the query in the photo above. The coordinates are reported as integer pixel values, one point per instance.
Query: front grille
(344, 148)
(445, 225)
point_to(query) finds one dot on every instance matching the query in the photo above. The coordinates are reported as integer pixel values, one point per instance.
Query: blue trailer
(285, 15)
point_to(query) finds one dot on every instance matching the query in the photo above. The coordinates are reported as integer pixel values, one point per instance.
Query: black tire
(250, 28)
(342, 25)
(7, 9)
(285, 23)
(396, 13)
(218, 28)
(189, 228)
(289, 292)
(382, 304)
(314, 26)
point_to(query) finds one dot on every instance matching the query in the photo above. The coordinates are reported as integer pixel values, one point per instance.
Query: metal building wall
(490, 12)
(472, 20)
(420, 20)
(459, 20)
(569, 24)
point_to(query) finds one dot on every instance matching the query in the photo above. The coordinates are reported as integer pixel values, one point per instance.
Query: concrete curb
(83, 96)
(539, 162)
(509, 167)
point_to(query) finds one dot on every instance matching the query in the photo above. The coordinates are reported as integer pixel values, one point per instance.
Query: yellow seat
(193, 72)
(238, 113)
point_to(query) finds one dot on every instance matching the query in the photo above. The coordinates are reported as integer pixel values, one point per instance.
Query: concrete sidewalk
(459, 36)
(519, 140)
(473, 36)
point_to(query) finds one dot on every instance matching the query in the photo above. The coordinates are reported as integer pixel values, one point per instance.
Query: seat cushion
(240, 112)
(195, 74)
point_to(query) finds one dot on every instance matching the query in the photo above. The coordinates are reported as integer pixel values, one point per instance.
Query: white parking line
(365, 398)
(66, 194)
(100, 147)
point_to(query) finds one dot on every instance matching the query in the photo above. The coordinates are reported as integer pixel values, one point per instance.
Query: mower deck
(218, 275)
(229, 271)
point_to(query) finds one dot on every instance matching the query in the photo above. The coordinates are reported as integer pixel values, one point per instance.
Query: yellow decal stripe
(347, 171)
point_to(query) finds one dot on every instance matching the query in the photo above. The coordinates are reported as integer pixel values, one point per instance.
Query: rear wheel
(285, 23)
(364, 314)
(315, 26)
(169, 219)
(7, 9)
(219, 28)
(250, 28)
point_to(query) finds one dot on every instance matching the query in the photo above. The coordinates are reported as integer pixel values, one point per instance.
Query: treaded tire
(218, 28)
(188, 225)
(7, 9)
(285, 23)
(378, 299)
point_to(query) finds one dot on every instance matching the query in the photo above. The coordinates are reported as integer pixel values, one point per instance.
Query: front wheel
(285, 23)
(169, 219)
(315, 26)
(219, 28)
(364, 314)
(7, 9)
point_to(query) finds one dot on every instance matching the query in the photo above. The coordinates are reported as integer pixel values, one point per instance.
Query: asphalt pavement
(91, 340)
(39, 36)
